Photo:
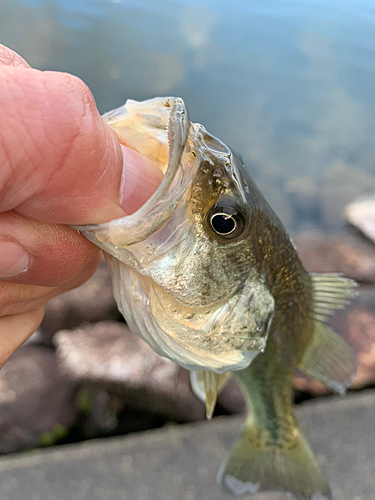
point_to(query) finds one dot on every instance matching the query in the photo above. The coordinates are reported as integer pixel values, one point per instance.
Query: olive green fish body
(272, 453)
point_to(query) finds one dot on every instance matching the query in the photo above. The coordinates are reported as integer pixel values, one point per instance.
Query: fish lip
(131, 229)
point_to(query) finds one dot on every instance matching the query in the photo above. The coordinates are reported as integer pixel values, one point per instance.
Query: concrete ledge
(180, 462)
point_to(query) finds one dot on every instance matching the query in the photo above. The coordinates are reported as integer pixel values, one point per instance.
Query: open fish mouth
(158, 129)
(173, 283)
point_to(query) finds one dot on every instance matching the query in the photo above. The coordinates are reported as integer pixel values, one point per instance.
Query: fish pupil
(223, 223)
(226, 219)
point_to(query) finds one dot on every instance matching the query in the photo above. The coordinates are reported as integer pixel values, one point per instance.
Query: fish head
(186, 269)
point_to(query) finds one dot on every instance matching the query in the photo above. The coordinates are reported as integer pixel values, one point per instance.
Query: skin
(55, 152)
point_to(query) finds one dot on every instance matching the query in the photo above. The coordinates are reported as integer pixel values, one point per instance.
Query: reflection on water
(289, 84)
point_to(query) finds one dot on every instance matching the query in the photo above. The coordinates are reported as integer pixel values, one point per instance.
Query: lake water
(288, 84)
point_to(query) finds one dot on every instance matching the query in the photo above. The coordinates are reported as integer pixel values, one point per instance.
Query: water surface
(289, 84)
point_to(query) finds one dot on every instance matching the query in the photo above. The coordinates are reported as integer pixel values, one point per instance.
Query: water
(289, 84)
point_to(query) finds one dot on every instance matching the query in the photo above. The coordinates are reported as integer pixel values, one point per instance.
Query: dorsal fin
(328, 358)
(331, 292)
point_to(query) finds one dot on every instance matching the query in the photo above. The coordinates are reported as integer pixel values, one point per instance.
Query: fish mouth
(160, 124)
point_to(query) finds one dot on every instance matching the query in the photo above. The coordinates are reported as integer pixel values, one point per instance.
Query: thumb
(60, 162)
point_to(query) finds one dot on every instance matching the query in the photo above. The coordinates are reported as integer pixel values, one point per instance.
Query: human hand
(59, 164)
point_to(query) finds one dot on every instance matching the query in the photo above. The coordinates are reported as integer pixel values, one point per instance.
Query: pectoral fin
(329, 359)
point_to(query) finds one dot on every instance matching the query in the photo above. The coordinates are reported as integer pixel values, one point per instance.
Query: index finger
(60, 162)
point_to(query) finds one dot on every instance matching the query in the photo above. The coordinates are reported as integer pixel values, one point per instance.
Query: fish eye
(227, 220)
(223, 223)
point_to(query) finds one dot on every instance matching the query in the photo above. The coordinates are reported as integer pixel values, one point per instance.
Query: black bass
(206, 274)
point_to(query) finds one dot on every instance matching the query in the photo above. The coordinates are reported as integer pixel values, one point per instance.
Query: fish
(207, 275)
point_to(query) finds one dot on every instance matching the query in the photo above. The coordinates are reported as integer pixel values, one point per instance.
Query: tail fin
(255, 464)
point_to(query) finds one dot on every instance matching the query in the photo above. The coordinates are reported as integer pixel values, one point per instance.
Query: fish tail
(256, 463)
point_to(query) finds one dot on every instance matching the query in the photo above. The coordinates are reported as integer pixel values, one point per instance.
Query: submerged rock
(303, 194)
(341, 184)
(342, 253)
(361, 214)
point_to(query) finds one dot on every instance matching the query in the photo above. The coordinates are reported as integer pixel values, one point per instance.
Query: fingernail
(140, 179)
(14, 259)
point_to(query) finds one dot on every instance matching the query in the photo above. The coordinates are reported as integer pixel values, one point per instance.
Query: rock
(181, 461)
(280, 203)
(356, 324)
(37, 404)
(342, 253)
(303, 193)
(342, 184)
(354, 257)
(105, 413)
(231, 400)
(361, 214)
(35, 339)
(111, 358)
(92, 301)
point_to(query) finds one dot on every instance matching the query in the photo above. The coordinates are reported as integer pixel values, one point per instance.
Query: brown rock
(35, 339)
(354, 257)
(342, 253)
(342, 184)
(231, 399)
(103, 412)
(93, 301)
(109, 356)
(361, 214)
(356, 324)
(37, 404)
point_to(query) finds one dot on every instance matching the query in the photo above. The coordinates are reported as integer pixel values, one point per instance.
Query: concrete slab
(180, 462)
